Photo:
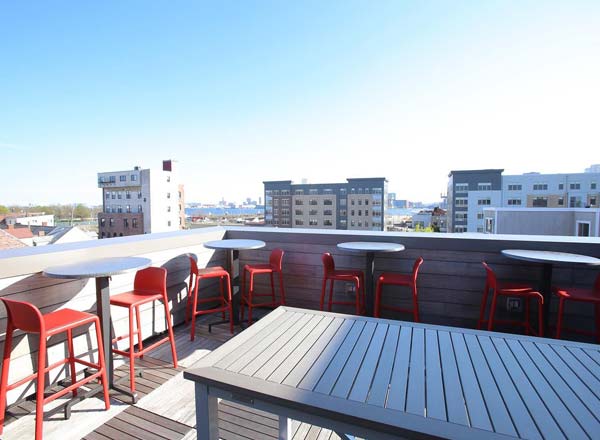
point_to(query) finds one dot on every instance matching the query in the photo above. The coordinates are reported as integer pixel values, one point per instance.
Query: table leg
(232, 255)
(369, 281)
(546, 291)
(207, 414)
(103, 312)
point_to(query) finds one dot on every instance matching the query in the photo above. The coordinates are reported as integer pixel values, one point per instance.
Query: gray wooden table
(382, 379)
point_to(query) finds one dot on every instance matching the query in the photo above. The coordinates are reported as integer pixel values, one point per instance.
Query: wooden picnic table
(382, 379)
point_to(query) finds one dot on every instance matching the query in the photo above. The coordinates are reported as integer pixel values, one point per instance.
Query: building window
(484, 186)
(540, 202)
(125, 223)
(113, 195)
(111, 222)
(169, 223)
(592, 200)
(299, 192)
(313, 192)
(133, 177)
(343, 191)
(108, 194)
(127, 194)
(593, 185)
(575, 202)
(360, 212)
(313, 202)
(461, 202)
(461, 187)
(359, 202)
(514, 202)
(312, 212)
(313, 222)
(561, 186)
(367, 202)
(575, 186)
(140, 195)
(561, 201)
(120, 209)
(360, 223)
(327, 223)
(352, 223)
(352, 212)
(139, 208)
(352, 202)
(285, 222)
(299, 222)
(366, 212)
(480, 216)
(583, 229)
(113, 179)
(122, 178)
(460, 216)
(328, 212)
(376, 213)
(460, 229)
(540, 187)
(343, 202)
(298, 202)
(168, 195)
(285, 202)
(299, 212)
(343, 212)
(168, 178)
(285, 212)
(366, 224)
(484, 202)
(480, 229)
(515, 187)
(128, 209)
(102, 222)
(328, 202)
(168, 209)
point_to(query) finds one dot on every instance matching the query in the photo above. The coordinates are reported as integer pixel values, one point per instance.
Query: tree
(81, 211)
(4, 209)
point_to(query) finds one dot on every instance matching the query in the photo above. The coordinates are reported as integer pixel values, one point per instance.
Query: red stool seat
(580, 294)
(399, 279)
(331, 274)
(26, 317)
(149, 285)
(274, 266)
(224, 301)
(509, 289)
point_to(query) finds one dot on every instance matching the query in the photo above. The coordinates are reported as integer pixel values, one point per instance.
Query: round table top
(102, 267)
(235, 244)
(550, 257)
(371, 246)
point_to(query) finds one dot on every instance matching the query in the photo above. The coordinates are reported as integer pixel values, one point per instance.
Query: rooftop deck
(450, 288)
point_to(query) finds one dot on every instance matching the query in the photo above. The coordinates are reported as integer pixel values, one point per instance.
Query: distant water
(239, 211)
(222, 211)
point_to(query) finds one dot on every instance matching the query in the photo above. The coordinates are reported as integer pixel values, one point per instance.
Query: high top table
(233, 246)
(382, 379)
(370, 248)
(102, 269)
(548, 260)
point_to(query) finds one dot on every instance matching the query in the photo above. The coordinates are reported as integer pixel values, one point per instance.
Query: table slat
(478, 414)
(329, 377)
(351, 369)
(415, 394)
(519, 413)
(543, 419)
(364, 378)
(399, 383)
(456, 406)
(435, 397)
(586, 419)
(383, 374)
(493, 399)
(579, 369)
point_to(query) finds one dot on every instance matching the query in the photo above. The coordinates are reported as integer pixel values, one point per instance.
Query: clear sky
(244, 91)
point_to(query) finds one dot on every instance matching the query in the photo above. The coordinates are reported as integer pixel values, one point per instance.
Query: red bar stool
(274, 266)
(332, 274)
(192, 300)
(399, 280)
(522, 290)
(149, 285)
(26, 317)
(582, 295)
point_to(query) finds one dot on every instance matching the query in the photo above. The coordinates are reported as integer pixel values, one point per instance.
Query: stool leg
(527, 326)
(272, 289)
(358, 296)
(102, 363)
(188, 301)
(71, 359)
(540, 318)
(41, 378)
(131, 352)
(171, 335)
(330, 294)
(377, 299)
(138, 322)
(250, 292)
(4, 377)
(561, 308)
(415, 303)
(222, 290)
(492, 310)
(230, 304)
(243, 295)
(486, 291)
(194, 308)
(281, 288)
(323, 288)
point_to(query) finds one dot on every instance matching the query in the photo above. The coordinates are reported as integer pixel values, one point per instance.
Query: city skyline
(243, 93)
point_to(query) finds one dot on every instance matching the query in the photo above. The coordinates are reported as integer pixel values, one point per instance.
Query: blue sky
(239, 92)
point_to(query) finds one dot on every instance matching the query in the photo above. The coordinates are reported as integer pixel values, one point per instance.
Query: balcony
(450, 288)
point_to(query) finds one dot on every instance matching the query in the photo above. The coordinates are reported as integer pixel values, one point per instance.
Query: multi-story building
(358, 204)
(470, 192)
(140, 201)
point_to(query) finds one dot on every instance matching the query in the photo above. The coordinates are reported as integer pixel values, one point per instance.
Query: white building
(140, 201)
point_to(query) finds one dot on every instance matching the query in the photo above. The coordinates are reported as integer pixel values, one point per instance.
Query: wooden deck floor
(165, 409)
